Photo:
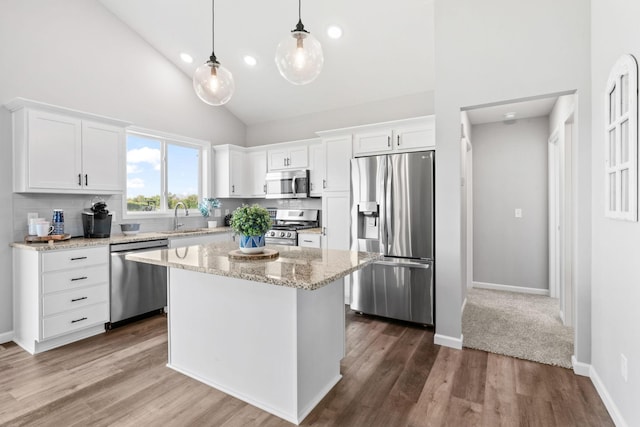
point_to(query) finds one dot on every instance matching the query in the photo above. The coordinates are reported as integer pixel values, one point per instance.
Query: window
(163, 170)
(621, 141)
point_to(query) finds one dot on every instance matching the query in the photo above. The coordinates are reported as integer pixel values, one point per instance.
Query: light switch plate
(518, 213)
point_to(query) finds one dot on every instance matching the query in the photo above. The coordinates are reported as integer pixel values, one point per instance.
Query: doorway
(518, 187)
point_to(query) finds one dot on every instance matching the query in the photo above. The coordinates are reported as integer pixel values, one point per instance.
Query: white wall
(303, 127)
(76, 54)
(501, 50)
(510, 171)
(616, 244)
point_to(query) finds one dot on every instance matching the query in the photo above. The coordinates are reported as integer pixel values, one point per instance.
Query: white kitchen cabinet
(337, 151)
(60, 296)
(290, 156)
(309, 240)
(336, 220)
(398, 136)
(57, 150)
(229, 171)
(316, 168)
(257, 164)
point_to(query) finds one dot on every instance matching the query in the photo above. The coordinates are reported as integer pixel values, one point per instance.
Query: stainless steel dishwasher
(136, 288)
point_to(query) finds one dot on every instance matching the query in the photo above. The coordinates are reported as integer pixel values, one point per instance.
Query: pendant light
(212, 82)
(299, 57)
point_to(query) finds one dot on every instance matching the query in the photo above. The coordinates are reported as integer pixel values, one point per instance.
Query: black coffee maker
(96, 221)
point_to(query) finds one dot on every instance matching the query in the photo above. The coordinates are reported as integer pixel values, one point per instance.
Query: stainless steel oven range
(287, 223)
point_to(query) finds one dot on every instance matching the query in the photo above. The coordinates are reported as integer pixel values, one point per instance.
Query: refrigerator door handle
(406, 264)
(388, 208)
(382, 220)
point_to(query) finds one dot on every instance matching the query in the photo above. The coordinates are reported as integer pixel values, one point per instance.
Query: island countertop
(296, 267)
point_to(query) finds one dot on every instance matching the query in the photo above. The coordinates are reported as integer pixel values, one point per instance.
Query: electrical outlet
(518, 213)
(226, 212)
(623, 367)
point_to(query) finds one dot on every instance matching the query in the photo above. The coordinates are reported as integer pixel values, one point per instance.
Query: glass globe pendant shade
(213, 83)
(299, 58)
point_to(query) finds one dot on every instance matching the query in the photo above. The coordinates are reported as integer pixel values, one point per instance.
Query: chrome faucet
(175, 215)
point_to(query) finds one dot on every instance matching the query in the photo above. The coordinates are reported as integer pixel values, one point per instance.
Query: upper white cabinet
(229, 171)
(257, 163)
(238, 171)
(57, 150)
(288, 156)
(316, 168)
(337, 152)
(399, 136)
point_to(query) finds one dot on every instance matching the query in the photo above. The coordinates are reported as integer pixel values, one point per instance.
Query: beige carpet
(519, 325)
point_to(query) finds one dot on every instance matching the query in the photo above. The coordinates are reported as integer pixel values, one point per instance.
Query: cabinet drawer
(73, 279)
(74, 320)
(64, 259)
(309, 240)
(71, 300)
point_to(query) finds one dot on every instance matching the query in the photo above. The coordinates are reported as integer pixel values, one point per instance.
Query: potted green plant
(251, 223)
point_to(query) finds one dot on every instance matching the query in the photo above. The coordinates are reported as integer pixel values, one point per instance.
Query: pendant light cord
(299, 10)
(212, 58)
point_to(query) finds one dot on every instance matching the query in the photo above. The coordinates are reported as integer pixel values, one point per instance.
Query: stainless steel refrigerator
(392, 213)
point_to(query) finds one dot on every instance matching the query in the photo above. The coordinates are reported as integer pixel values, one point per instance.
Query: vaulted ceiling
(386, 51)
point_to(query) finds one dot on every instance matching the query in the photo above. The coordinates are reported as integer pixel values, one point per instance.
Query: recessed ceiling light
(510, 115)
(334, 32)
(186, 58)
(250, 60)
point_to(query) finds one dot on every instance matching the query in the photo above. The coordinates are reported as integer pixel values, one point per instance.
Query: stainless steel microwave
(290, 184)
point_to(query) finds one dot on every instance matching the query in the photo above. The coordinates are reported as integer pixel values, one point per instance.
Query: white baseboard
(606, 399)
(447, 341)
(510, 288)
(579, 368)
(6, 337)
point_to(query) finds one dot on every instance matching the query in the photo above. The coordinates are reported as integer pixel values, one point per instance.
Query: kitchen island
(269, 332)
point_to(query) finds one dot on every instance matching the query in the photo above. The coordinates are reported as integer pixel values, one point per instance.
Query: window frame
(165, 139)
(614, 167)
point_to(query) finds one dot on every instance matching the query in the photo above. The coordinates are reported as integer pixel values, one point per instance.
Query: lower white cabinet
(309, 240)
(60, 296)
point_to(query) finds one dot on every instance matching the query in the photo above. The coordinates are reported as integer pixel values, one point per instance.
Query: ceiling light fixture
(212, 82)
(186, 58)
(299, 57)
(334, 32)
(251, 61)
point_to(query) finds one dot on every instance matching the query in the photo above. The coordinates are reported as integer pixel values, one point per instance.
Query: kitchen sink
(183, 231)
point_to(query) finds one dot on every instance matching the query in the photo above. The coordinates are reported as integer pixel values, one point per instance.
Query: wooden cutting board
(38, 239)
(267, 253)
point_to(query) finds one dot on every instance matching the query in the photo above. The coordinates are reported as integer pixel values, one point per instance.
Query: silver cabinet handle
(308, 241)
(293, 187)
(264, 188)
(75, 279)
(78, 299)
(388, 141)
(78, 320)
(324, 231)
(398, 140)
(86, 179)
(324, 183)
(78, 258)
(80, 179)
(233, 188)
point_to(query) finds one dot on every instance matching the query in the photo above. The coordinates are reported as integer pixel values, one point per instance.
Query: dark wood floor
(393, 375)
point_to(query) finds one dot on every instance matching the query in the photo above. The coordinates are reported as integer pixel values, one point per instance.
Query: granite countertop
(296, 267)
(311, 231)
(81, 242)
